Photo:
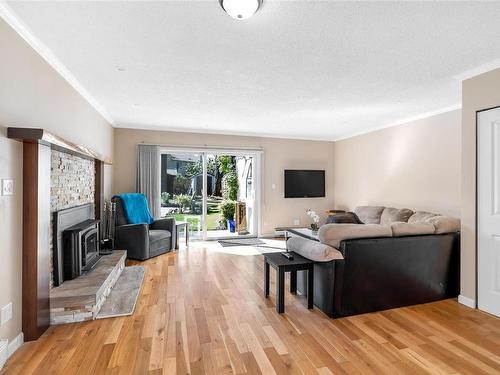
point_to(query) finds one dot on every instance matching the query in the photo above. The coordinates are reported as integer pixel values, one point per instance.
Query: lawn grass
(212, 219)
(212, 215)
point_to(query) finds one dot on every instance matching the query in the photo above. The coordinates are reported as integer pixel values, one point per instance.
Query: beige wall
(478, 93)
(32, 94)
(279, 154)
(11, 164)
(415, 165)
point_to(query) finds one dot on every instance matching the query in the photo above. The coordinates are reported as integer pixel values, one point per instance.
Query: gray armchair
(143, 241)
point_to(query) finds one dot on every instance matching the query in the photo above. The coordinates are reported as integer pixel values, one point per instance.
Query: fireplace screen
(89, 243)
(81, 248)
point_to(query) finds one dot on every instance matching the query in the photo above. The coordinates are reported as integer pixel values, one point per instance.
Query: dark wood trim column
(99, 189)
(36, 245)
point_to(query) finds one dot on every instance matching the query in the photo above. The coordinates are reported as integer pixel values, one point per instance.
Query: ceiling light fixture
(240, 9)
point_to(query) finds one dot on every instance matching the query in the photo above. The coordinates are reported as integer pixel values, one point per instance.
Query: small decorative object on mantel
(108, 228)
(315, 218)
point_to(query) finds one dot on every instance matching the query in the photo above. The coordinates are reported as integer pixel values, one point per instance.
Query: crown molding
(402, 122)
(9, 16)
(478, 70)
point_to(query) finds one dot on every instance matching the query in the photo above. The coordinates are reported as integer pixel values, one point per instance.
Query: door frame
(476, 211)
(257, 175)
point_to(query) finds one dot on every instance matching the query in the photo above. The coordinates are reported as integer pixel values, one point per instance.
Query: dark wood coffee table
(282, 265)
(302, 232)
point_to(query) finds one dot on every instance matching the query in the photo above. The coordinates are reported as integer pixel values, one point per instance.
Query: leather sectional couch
(393, 258)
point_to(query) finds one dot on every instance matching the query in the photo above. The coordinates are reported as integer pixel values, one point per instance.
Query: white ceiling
(297, 69)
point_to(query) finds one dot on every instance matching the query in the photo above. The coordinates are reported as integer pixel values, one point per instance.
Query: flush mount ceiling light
(240, 9)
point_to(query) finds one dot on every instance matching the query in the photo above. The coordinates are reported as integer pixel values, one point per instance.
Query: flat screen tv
(304, 183)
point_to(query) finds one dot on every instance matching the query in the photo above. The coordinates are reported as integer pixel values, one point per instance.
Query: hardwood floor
(202, 311)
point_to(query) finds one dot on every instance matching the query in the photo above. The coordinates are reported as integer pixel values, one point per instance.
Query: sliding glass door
(230, 195)
(182, 189)
(215, 191)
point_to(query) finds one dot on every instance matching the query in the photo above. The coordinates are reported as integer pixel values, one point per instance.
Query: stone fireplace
(56, 173)
(72, 184)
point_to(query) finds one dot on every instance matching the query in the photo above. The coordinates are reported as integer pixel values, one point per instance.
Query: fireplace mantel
(37, 145)
(46, 138)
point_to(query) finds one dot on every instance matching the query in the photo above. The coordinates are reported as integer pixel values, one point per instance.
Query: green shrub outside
(230, 186)
(183, 201)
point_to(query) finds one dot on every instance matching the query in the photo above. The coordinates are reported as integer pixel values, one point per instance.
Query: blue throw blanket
(136, 208)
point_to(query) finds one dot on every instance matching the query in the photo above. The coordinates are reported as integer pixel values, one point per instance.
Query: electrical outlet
(296, 222)
(6, 313)
(7, 187)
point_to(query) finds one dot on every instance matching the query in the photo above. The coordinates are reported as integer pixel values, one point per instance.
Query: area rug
(241, 242)
(123, 297)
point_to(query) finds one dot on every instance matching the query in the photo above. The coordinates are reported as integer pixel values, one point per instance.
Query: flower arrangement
(315, 218)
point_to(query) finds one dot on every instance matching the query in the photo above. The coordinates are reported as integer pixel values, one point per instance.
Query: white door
(488, 209)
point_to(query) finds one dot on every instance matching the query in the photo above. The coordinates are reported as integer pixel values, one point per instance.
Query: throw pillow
(369, 214)
(391, 215)
(343, 218)
(420, 217)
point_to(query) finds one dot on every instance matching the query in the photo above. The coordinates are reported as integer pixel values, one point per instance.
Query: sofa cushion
(369, 214)
(333, 234)
(445, 224)
(411, 229)
(391, 215)
(345, 218)
(420, 216)
(313, 250)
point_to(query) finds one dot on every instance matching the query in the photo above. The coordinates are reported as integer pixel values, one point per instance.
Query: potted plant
(227, 211)
(315, 218)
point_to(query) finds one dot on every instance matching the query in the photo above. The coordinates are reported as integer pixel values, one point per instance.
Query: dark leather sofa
(143, 241)
(384, 273)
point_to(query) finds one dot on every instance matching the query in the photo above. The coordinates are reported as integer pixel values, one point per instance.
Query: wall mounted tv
(304, 183)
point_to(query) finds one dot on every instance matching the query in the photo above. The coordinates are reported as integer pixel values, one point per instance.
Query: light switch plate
(296, 222)
(6, 313)
(7, 187)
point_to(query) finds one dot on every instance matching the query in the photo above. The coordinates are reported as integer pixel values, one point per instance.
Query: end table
(178, 225)
(282, 265)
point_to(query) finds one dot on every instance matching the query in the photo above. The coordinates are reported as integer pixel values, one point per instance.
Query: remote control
(287, 255)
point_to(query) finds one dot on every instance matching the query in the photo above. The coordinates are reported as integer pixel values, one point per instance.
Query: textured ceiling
(312, 70)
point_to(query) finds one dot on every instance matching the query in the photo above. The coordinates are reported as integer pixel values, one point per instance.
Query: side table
(282, 265)
(178, 225)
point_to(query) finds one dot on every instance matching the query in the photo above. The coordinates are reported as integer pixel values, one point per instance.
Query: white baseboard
(8, 348)
(15, 344)
(467, 301)
(3, 352)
